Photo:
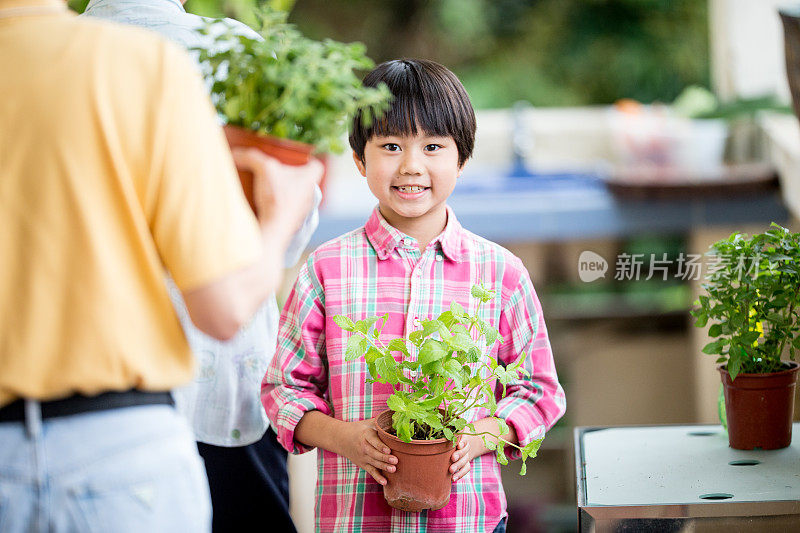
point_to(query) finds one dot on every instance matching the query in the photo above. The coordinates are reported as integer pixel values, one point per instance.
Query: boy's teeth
(412, 188)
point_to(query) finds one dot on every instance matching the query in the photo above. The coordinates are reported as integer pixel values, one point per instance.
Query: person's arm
(223, 306)
(532, 404)
(294, 388)
(224, 261)
(357, 441)
(301, 238)
(296, 380)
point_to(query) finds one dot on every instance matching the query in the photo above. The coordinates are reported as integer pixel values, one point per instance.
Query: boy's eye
(432, 147)
(392, 147)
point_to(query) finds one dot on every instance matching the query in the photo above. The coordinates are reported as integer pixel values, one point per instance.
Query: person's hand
(360, 444)
(283, 194)
(462, 458)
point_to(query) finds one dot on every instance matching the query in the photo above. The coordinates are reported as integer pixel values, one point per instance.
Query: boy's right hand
(283, 194)
(360, 444)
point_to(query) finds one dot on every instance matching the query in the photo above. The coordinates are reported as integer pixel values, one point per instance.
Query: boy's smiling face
(411, 176)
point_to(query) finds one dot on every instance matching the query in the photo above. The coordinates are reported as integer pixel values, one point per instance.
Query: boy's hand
(471, 446)
(462, 457)
(360, 444)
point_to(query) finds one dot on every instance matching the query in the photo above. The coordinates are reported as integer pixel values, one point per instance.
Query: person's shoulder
(130, 47)
(206, 33)
(512, 275)
(115, 33)
(482, 249)
(239, 28)
(213, 28)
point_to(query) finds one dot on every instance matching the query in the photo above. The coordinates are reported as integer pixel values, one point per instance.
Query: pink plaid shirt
(375, 270)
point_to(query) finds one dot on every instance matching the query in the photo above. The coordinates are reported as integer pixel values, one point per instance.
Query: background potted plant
(451, 375)
(287, 95)
(752, 304)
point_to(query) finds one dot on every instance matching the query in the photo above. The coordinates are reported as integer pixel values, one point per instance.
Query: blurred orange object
(628, 105)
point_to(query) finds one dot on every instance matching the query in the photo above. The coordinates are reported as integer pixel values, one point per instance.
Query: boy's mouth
(410, 189)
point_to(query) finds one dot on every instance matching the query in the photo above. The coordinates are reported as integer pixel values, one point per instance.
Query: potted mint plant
(287, 95)
(426, 413)
(752, 303)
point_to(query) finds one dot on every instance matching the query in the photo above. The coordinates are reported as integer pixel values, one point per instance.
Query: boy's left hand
(461, 458)
(471, 446)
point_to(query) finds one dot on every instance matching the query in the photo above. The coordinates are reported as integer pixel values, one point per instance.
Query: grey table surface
(669, 465)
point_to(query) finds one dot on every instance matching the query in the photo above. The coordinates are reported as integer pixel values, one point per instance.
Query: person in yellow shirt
(245, 465)
(114, 171)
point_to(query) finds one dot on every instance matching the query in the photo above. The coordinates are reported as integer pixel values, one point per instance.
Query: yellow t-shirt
(113, 170)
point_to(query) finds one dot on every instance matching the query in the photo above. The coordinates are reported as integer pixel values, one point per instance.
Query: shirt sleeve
(297, 378)
(300, 239)
(195, 208)
(534, 403)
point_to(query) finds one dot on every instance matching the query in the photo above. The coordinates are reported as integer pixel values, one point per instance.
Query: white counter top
(670, 465)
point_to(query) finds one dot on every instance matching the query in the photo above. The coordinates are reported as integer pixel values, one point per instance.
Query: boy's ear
(362, 168)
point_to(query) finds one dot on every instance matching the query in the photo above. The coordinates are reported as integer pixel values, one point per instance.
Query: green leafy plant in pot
(287, 95)
(751, 302)
(427, 412)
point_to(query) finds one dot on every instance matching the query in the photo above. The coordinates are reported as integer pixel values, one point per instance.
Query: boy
(410, 260)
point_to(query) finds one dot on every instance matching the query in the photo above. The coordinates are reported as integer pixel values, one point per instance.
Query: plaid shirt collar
(384, 237)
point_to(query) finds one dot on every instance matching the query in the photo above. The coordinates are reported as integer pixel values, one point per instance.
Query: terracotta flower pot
(286, 151)
(759, 408)
(422, 479)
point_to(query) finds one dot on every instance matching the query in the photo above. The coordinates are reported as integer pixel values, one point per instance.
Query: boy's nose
(411, 164)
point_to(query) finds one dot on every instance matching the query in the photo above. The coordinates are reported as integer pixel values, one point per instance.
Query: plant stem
(476, 398)
(788, 320)
(477, 314)
(500, 439)
(468, 407)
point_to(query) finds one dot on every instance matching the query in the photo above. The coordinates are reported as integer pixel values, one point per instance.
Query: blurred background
(629, 128)
(574, 52)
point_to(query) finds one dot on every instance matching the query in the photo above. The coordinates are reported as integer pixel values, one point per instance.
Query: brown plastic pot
(422, 479)
(759, 408)
(286, 151)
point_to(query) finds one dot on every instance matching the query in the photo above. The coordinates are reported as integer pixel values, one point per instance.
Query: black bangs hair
(427, 96)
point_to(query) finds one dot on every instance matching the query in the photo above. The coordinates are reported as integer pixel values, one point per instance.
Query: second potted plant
(287, 95)
(753, 305)
(427, 412)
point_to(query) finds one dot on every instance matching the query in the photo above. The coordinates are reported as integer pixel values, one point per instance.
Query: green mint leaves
(449, 376)
(288, 85)
(751, 301)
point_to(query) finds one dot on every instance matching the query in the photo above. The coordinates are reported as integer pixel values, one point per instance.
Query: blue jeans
(501, 526)
(134, 469)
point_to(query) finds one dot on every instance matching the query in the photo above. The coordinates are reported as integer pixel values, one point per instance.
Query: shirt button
(438, 257)
(407, 242)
